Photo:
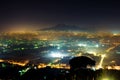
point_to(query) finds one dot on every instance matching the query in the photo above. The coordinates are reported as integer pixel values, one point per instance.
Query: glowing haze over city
(51, 33)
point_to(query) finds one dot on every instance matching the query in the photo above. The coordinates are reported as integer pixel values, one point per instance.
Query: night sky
(85, 13)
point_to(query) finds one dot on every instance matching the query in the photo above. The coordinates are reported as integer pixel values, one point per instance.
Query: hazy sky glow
(47, 13)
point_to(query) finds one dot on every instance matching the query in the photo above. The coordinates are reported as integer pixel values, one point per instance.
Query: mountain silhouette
(65, 27)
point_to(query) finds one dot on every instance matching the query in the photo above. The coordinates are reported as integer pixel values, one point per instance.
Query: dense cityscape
(59, 47)
(40, 49)
(59, 40)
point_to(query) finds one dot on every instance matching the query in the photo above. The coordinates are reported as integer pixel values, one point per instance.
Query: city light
(57, 54)
(97, 45)
(59, 40)
(105, 79)
(84, 45)
(54, 48)
(92, 52)
(101, 61)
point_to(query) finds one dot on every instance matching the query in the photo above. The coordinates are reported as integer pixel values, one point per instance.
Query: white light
(115, 34)
(101, 61)
(57, 54)
(97, 45)
(103, 55)
(91, 52)
(105, 79)
(84, 45)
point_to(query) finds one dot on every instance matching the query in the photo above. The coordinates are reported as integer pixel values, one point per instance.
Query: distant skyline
(84, 13)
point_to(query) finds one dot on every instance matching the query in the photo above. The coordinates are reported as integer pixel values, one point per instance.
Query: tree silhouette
(81, 62)
(78, 67)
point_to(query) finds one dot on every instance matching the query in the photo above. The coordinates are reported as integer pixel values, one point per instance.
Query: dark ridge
(65, 27)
